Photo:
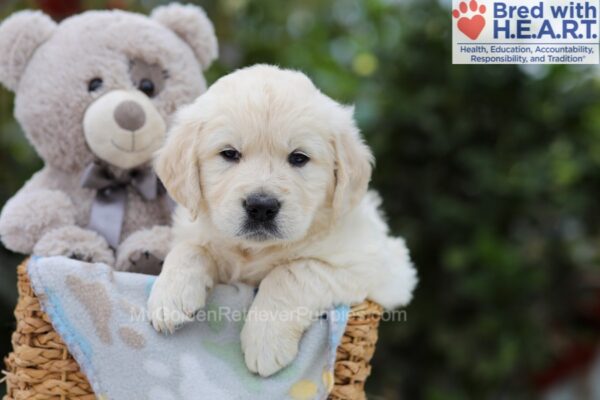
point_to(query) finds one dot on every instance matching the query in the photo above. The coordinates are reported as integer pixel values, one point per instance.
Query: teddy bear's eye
(147, 87)
(94, 84)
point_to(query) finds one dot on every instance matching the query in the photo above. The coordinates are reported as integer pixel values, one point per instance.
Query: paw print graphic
(473, 26)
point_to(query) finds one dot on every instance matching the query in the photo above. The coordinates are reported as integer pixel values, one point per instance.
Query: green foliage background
(490, 172)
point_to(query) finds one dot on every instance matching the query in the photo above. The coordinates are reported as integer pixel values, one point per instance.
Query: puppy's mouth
(259, 231)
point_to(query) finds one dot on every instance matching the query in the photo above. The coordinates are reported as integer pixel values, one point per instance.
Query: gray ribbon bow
(108, 209)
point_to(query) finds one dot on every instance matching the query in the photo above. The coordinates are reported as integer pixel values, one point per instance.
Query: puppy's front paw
(269, 345)
(175, 301)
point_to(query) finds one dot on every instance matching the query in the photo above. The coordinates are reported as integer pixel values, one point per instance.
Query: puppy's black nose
(261, 207)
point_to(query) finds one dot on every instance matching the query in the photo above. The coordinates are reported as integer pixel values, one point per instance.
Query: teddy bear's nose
(130, 115)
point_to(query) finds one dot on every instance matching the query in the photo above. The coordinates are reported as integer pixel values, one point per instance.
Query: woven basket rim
(41, 367)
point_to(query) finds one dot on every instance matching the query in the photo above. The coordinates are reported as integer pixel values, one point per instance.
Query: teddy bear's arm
(144, 251)
(75, 242)
(41, 219)
(33, 211)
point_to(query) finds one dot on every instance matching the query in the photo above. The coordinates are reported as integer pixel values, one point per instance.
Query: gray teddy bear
(94, 95)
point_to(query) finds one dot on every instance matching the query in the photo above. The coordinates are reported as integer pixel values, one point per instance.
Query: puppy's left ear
(353, 165)
(192, 25)
(177, 164)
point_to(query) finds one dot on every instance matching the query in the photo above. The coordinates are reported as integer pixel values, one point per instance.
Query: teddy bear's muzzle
(123, 128)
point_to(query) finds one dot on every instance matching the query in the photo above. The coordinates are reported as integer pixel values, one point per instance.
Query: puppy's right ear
(20, 36)
(177, 164)
(353, 164)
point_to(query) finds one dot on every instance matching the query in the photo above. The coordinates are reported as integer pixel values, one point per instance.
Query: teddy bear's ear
(20, 35)
(192, 25)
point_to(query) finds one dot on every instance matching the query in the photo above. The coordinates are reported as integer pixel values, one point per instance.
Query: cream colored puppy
(271, 177)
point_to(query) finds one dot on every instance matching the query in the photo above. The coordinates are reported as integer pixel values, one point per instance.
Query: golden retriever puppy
(271, 180)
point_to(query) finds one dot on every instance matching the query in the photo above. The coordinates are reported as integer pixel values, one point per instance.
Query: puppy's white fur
(332, 245)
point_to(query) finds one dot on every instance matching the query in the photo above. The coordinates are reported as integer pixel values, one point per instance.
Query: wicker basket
(41, 368)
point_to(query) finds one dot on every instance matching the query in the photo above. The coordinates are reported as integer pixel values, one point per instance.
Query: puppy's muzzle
(261, 208)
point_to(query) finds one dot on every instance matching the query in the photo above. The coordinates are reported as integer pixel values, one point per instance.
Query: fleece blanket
(101, 316)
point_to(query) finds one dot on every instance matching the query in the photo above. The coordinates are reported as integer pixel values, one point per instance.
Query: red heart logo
(471, 27)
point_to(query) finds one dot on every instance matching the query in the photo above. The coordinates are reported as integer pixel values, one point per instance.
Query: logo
(525, 31)
(473, 26)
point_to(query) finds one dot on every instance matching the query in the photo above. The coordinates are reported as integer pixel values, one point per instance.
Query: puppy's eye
(297, 159)
(147, 87)
(94, 84)
(231, 155)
